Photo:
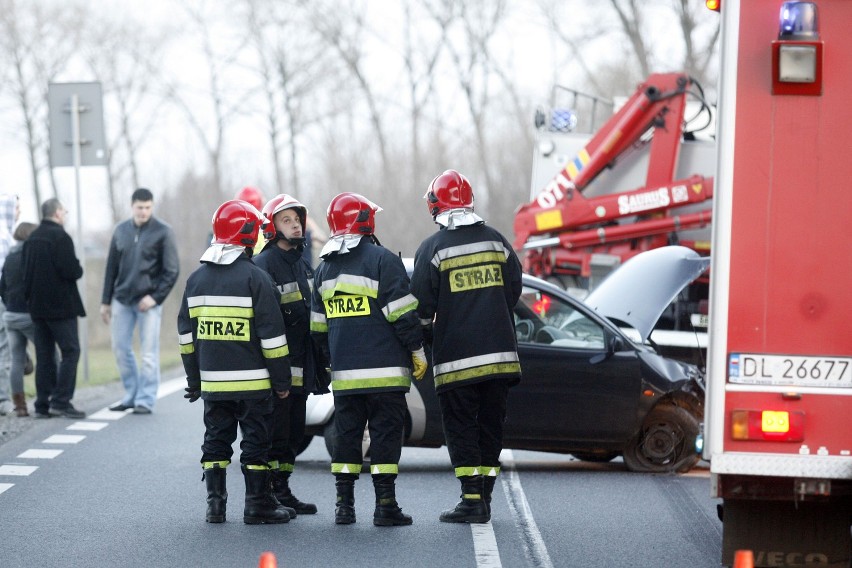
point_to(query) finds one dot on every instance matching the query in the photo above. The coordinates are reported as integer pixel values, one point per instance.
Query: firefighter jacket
(468, 280)
(363, 309)
(294, 279)
(231, 332)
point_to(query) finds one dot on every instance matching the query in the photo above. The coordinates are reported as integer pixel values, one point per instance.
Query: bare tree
(36, 42)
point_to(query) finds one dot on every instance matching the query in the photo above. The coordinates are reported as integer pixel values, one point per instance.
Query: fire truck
(778, 420)
(642, 181)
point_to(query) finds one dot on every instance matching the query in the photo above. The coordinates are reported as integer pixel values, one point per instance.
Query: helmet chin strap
(297, 241)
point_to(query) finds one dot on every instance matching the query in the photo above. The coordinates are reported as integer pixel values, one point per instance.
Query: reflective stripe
(346, 468)
(297, 378)
(451, 257)
(185, 338)
(318, 322)
(371, 378)
(187, 349)
(425, 322)
(472, 496)
(273, 465)
(466, 471)
(236, 386)
(384, 468)
(275, 347)
(350, 284)
(245, 375)
(257, 467)
(489, 471)
(221, 311)
(275, 353)
(286, 467)
(239, 301)
(477, 361)
(290, 292)
(210, 465)
(463, 375)
(399, 307)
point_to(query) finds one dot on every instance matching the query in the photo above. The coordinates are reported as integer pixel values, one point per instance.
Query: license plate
(699, 320)
(790, 370)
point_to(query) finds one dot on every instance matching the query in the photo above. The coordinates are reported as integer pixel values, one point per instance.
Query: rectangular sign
(790, 370)
(93, 148)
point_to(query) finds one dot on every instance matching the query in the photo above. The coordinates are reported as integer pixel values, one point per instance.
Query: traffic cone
(267, 560)
(743, 559)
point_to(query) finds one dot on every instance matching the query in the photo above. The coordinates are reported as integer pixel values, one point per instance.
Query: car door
(564, 398)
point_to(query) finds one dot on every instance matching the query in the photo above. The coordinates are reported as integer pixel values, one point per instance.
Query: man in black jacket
(141, 270)
(51, 271)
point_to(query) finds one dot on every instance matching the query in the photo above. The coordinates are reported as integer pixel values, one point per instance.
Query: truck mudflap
(788, 534)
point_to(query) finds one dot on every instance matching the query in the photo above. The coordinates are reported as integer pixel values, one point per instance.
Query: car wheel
(600, 457)
(303, 445)
(666, 442)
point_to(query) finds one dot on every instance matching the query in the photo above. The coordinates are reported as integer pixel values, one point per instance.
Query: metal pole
(82, 325)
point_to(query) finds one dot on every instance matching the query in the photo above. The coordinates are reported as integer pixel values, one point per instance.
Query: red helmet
(252, 195)
(279, 203)
(450, 190)
(352, 214)
(236, 222)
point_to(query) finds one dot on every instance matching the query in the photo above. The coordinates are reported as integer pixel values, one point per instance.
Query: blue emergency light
(798, 21)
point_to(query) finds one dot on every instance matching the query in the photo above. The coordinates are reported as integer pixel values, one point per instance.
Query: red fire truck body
(778, 420)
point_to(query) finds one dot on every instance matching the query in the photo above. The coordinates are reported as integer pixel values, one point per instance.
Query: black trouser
(221, 418)
(55, 383)
(288, 427)
(385, 414)
(473, 417)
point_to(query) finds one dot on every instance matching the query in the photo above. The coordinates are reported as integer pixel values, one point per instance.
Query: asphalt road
(120, 489)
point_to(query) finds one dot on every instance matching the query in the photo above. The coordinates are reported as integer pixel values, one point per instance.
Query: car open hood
(638, 291)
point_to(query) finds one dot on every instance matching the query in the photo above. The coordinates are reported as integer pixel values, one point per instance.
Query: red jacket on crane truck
(778, 419)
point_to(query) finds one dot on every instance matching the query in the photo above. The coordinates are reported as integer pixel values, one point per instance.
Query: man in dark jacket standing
(141, 270)
(468, 279)
(51, 271)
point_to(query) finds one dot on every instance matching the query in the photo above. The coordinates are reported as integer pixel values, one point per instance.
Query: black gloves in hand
(192, 394)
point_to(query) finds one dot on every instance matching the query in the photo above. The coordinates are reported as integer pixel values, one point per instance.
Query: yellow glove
(418, 363)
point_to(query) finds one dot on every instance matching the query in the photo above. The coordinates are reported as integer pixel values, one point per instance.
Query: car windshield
(543, 318)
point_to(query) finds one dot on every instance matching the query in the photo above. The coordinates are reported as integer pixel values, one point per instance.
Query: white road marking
(485, 546)
(533, 543)
(5, 486)
(40, 454)
(171, 386)
(88, 426)
(63, 439)
(17, 469)
(107, 414)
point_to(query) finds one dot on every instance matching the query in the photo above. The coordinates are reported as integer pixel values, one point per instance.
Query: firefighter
(364, 315)
(234, 351)
(467, 280)
(283, 228)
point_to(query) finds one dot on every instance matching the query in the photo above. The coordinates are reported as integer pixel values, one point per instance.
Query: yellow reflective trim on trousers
(379, 468)
(346, 468)
(489, 470)
(291, 297)
(221, 312)
(319, 327)
(465, 374)
(342, 385)
(466, 471)
(472, 496)
(273, 465)
(469, 259)
(235, 386)
(187, 349)
(286, 467)
(257, 467)
(282, 351)
(210, 465)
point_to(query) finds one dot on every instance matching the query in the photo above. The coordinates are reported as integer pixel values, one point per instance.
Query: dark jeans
(55, 383)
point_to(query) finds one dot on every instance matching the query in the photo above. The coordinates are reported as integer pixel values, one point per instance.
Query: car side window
(545, 319)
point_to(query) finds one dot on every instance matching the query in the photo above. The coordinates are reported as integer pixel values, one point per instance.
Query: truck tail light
(769, 425)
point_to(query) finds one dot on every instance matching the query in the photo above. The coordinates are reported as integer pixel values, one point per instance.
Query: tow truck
(582, 224)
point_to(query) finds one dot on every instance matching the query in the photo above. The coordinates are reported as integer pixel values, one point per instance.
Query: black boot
(488, 482)
(217, 493)
(472, 507)
(261, 505)
(290, 511)
(281, 488)
(344, 511)
(388, 513)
